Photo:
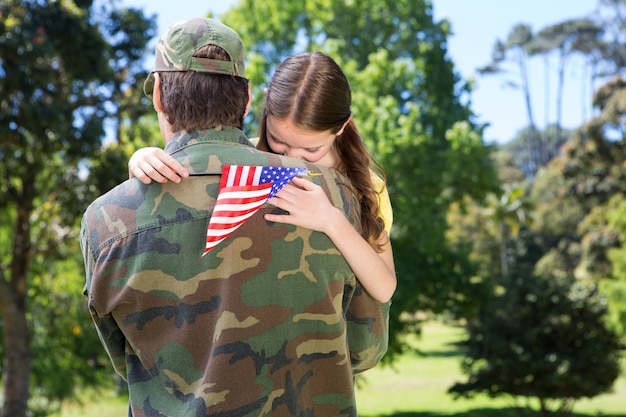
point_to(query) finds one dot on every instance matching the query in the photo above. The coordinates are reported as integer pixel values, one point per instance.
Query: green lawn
(415, 386)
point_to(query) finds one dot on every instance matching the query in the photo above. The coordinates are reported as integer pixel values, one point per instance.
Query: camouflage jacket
(271, 322)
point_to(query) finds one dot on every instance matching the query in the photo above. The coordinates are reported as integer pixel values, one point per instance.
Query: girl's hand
(307, 204)
(151, 163)
(309, 207)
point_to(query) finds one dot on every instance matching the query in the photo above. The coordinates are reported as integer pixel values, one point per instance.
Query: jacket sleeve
(112, 339)
(368, 330)
(367, 320)
(108, 330)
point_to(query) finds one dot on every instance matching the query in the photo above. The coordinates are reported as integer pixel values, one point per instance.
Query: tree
(517, 49)
(56, 81)
(565, 38)
(572, 193)
(596, 41)
(611, 52)
(552, 139)
(408, 104)
(556, 217)
(543, 339)
(615, 288)
(507, 214)
(566, 264)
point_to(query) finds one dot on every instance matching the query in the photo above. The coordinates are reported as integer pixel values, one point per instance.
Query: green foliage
(109, 166)
(506, 213)
(548, 146)
(65, 68)
(543, 338)
(470, 232)
(592, 168)
(615, 288)
(509, 171)
(68, 354)
(572, 195)
(555, 339)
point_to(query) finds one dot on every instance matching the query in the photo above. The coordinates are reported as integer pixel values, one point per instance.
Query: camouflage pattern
(271, 322)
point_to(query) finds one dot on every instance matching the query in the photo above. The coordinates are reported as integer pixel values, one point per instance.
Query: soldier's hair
(312, 92)
(194, 100)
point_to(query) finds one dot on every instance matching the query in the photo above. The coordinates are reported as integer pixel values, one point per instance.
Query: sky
(476, 25)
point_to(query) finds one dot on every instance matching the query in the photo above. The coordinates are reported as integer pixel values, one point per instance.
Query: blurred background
(501, 130)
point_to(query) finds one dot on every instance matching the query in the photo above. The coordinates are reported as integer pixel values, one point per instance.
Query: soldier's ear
(156, 93)
(249, 100)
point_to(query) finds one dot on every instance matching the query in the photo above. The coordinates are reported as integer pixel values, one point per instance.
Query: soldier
(272, 320)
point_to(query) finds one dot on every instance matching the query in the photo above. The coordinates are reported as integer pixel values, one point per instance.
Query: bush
(544, 339)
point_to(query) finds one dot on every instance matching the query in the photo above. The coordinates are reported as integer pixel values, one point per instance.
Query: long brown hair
(312, 92)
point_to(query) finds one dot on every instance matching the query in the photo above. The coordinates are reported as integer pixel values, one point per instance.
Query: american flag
(242, 192)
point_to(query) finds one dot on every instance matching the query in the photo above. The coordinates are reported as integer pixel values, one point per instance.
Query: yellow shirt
(384, 203)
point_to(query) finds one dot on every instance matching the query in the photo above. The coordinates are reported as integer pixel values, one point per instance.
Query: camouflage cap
(177, 46)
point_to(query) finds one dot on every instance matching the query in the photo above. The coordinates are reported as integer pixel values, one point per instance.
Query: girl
(307, 115)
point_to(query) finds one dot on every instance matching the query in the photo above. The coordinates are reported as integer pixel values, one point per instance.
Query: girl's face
(285, 138)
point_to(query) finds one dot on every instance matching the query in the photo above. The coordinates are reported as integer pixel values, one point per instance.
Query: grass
(104, 406)
(414, 386)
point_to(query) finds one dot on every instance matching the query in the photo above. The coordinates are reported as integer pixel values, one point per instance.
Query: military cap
(177, 46)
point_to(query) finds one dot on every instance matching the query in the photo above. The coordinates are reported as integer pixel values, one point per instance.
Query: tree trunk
(17, 360)
(559, 96)
(585, 84)
(546, 90)
(532, 126)
(504, 263)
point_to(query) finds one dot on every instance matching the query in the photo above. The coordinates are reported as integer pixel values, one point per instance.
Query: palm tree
(507, 213)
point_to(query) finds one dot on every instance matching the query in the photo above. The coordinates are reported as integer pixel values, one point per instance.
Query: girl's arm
(151, 163)
(309, 207)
